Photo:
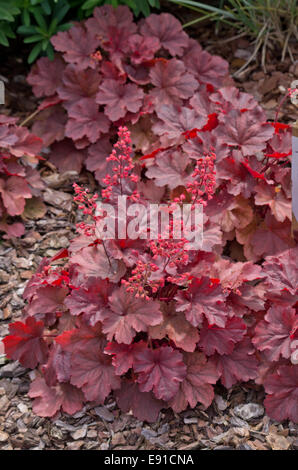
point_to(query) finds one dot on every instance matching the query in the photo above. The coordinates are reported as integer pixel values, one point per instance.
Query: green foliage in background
(39, 20)
(271, 23)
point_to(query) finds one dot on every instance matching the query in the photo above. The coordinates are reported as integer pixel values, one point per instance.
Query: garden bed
(225, 424)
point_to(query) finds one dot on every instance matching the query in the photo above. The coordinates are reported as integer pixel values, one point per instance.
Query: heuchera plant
(151, 321)
(19, 180)
(155, 323)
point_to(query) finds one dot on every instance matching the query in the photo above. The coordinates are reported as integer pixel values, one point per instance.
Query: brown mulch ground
(235, 420)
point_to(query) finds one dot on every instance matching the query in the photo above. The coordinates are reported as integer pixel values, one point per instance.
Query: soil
(236, 419)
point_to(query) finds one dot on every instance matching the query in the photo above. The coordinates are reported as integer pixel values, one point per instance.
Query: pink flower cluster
(121, 156)
(140, 283)
(204, 182)
(87, 203)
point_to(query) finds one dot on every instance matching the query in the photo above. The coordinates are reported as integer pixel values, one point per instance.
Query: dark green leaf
(46, 7)
(35, 38)
(37, 12)
(50, 51)
(26, 29)
(34, 53)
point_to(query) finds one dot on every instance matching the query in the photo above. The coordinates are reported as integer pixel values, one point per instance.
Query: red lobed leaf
(90, 301)
(172, 82)
(92, 371)
(174, 122)
(275, 333)
(77, 84)
(240, 365)
(128, 315)
(119, 98)
(160, 370)
(144, 405)
(25, 343)
(94, 262)
(142, 48)
(203, 298)
(207, 68)
(169, 169)
(177, 328)
(196, 386)
(244, 130)
(282, 277)
(77, 45)
(66, 157)
(14, 192)
(168, 30)
(86, 121)
(123, 355)
(45, 76)
(45, 303)
(57, 368)
(49, 400)
(222, 340)
(282, 400)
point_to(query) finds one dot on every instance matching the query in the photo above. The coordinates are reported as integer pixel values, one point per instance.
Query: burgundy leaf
(245, 131)
(280, 205)
(142, 48)
(77, 44)
(282, 400)
(77, 84)
(233, 275)
(129, 315)
(207, 68)
(49, 400)
(222, 340)
(169, 169)
(25, 343)
(14, 192)
(45, 76)
(172, 82)
(119, 98)
(46, 300)
(240, 365)
(92, 371)
(230, 97)
(275, 333)
(57, 369)
(203, 298)
(123, 355)
(83, 337)
(66, 157)
(203, 144)
(196, 386)
(113, 26)
(175, 122)
(160, 370)
(273, 237)
(50, 125)
(177, 328)
(7, 137)
(94, 262)
(168, 30)
(27, 143)
(144, 405)
(97, 155)
(92, 301)
(86, 121)
(282, 277)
